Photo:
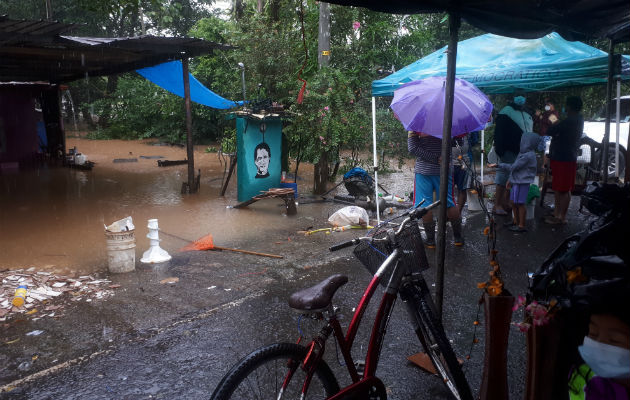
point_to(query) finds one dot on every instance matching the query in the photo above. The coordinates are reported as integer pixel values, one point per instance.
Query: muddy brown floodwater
(53, 218)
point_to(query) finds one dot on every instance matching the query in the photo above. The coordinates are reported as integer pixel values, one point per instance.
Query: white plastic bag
(123, 225)
(351, 215)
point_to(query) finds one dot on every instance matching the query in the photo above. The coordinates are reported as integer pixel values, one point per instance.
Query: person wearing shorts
(522, 173)
(565, 142)
(461, 157)
(428, 150)
(511, 122)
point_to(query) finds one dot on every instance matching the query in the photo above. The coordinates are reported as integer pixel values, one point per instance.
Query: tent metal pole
(453, 25)
(483, 147)
(618, 111)
(189, 142)
(378, 211)
(604, 159)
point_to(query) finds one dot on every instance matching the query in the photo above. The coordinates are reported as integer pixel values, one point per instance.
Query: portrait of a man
(262, 154)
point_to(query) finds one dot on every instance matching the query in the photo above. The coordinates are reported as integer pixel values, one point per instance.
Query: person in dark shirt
(563, 158)
(513, 120)
(428, 151)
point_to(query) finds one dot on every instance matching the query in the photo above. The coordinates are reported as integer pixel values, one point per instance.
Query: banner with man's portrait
(259, 149)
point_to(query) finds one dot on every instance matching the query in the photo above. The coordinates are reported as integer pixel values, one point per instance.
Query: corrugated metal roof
(34, 51)
(16, 29)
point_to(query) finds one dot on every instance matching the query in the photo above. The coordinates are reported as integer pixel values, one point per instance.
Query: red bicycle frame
(317, 345)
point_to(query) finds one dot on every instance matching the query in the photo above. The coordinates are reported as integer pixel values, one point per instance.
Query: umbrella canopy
(419, 106)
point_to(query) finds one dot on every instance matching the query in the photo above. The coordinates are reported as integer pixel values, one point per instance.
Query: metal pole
(618, 111)
(604, 159)
(378, 212)
(242, 67)
(453, 27)
(49, 12)
(189, 140)
(483, 150)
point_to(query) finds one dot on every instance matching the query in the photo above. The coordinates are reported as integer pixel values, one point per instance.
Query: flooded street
(52, 218)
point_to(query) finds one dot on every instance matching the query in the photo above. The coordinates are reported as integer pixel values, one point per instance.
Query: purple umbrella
(419, 106)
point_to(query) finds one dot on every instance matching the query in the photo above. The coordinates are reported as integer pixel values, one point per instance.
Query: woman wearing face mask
(544, 119)
(605, 373)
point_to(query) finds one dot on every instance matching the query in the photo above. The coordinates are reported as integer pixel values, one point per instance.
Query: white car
(594, 130)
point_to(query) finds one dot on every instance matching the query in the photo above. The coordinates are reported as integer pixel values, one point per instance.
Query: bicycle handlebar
(343, 245)
(414, 214)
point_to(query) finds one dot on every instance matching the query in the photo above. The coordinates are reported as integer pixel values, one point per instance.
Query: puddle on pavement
(52, 218)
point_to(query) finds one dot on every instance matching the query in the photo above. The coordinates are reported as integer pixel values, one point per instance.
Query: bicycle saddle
(318, 297)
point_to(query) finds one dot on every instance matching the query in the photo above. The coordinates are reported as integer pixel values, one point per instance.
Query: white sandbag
(351, 215)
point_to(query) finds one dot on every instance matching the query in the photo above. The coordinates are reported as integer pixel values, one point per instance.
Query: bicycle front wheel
(262, 375)
(433, 338)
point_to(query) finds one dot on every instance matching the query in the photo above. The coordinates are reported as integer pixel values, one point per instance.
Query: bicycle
(291, 370)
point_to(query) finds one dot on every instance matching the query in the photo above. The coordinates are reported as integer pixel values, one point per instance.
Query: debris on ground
(44, 287)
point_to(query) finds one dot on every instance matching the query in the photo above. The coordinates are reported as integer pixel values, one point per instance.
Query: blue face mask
(605, 360)
(519, 100)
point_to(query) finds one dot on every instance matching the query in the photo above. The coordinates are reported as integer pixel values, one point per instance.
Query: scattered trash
(43, 287)
(25, 366)
(12, 341)
(122, 225)
(20, 295)
(351, 215)
(169, 281)
(212, 287)
(35, 333)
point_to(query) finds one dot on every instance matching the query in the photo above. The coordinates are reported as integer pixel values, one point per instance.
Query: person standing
(565, 142)
(511, 122)
(522, 173)
(428, 150)
(544, 119)
(461, 157)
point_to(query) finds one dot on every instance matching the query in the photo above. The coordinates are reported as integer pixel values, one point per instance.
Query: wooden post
(189, 139)
(229, 175)
(453, 26)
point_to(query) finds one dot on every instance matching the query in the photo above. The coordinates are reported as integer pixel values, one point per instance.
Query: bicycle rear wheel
(433, 338)
(261, 374)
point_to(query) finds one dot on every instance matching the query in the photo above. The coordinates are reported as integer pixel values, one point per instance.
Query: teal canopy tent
(169, 76)
(498, 64)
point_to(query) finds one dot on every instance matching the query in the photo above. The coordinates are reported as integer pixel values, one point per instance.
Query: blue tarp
(498, 64)
(170, 76)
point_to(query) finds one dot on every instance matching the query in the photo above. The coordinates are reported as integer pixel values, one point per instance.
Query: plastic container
(20, 296)
(473, 201)
(531, 207)
(121, 251)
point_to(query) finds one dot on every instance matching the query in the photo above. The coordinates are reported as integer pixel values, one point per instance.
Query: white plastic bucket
(531, 207)
(121, 251)
(473, 201)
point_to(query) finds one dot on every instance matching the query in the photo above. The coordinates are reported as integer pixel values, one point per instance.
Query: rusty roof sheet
(35, 51)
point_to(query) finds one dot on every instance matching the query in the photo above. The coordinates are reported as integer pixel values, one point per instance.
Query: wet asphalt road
(176, 341)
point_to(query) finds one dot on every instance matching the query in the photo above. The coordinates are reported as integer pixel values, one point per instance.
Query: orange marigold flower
(575, 276)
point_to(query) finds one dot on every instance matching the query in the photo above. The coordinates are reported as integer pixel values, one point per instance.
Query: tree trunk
(321, 174)
(112, 85)
(320, 177)
(238, 10)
